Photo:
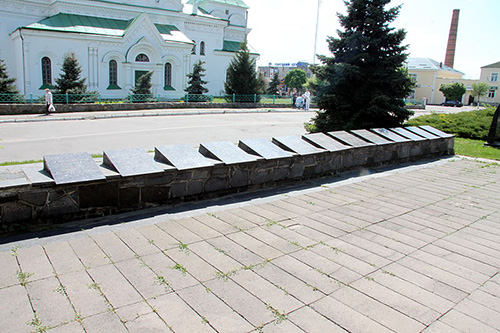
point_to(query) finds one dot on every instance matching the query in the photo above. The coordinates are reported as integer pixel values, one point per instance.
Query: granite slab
(372, 137)
(72, 168)
(421, 132)
(182, 157)
(390, 135)
(263, 148)
(226, 152)
(435, 131)
(131, 162)
(325, 141)
(37, 176)
(296, 144)
(407, 134)
(350, 139)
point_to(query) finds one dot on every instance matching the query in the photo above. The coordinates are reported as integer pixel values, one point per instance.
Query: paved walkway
(408, 250)
(22, 118)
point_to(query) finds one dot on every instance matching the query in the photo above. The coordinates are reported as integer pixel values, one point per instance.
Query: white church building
(116, 41)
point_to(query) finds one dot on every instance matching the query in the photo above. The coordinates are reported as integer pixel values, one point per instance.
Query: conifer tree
(70, 82)
(273, 85)
(364, 82)
(7, 85)
(195, 80)
(143, 87)
(242, 77)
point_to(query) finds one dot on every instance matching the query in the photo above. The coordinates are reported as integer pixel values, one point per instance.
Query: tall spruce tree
(273, 85)
(142, 89)
(195, 80)
(7, 85)
(364, 83)
(70, 82)
(242, 77)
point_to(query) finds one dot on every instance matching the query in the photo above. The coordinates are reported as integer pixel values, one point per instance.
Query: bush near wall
(469, 125)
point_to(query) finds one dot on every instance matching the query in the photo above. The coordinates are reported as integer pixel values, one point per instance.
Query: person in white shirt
(49, 102)
(307, 98)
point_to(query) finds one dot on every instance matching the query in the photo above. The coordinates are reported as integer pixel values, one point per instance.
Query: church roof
(82, 24)
(237, 3)
(429, 64)
(495, 65)
(100, 26)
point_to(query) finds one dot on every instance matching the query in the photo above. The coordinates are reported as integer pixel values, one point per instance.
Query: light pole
(316, 34)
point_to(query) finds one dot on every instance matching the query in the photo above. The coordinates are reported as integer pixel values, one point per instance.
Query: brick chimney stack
(449, 60)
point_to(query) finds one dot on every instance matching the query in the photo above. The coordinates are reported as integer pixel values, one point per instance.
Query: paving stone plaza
(415, 248)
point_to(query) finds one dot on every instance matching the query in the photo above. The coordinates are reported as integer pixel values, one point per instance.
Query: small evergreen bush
(469, 125)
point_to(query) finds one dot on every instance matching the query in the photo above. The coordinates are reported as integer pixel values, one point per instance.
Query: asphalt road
(33, 140)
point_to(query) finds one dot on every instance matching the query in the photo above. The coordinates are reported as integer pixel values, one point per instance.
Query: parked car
(452, 103)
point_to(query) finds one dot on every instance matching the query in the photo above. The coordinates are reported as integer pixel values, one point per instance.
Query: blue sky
(283, 30)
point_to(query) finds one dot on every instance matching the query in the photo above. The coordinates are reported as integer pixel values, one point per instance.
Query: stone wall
(74, 186)
(13, 109)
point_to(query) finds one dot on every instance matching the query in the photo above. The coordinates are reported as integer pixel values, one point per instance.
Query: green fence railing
(143, 98)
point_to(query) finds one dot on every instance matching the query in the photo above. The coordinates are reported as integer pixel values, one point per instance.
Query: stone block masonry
(72, 187)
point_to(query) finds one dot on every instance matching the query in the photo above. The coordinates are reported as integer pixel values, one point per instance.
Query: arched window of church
(168, 75)
(46, 71)
(202, 48)
(113, 75)
(141, 57)
(193, 50)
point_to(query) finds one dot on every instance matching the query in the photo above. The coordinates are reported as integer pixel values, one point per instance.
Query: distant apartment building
(282, 70)
(489, 75)
(429, 75)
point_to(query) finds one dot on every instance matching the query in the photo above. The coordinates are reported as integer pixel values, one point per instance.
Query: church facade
(117, 41)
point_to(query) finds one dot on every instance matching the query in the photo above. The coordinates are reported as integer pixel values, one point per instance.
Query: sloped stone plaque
(72, 168)
(131, 162)
(372, 137)
(182, 157)
(263, 148)
(435, 131)
(390, 135)
(349, 139)
(226, 152)
(421, 132)
(326, 142)
(296, 145)
(407, 134)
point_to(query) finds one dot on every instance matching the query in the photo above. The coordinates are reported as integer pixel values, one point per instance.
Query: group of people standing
(303, 101)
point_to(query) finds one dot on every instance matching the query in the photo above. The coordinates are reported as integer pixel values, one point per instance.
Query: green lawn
(475, 148)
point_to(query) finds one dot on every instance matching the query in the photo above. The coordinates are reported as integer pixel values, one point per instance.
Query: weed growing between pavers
(96, 286)
(183, 247)
(280, 317)
(37, 324)
(23, 277)
(160, 280)
(14, 250)
(225, 276)
(180, 268)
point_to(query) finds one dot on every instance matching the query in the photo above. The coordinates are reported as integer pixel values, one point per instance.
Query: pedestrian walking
(294, 98)
(49, 102)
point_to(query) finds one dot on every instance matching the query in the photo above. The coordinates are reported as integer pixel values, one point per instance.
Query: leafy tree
(364, 82)
(7, 85)
(296, 78)
(274, 85)
(195, 80)
(70, 82)
(242, 77)
(479, 89)
(143, 87)
(453, 91)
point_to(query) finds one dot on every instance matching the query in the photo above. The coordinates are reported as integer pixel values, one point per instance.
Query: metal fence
(145, 98)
